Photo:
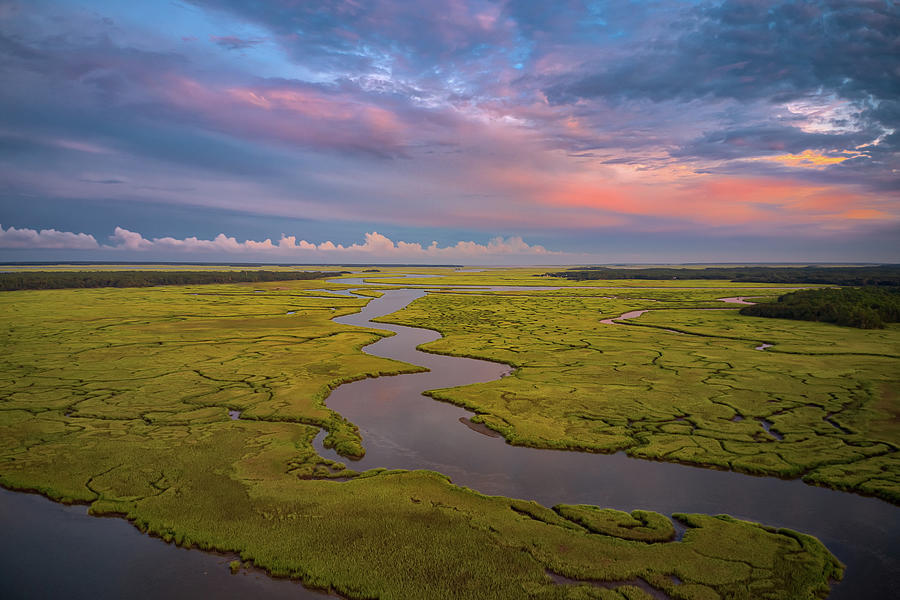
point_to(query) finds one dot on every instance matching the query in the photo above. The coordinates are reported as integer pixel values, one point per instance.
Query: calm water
(52, 551)
(402, 429)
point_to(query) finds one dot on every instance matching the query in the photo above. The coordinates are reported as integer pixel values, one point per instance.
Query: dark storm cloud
(746, 50)
(509, 114)
(756, 53)
(767, 140)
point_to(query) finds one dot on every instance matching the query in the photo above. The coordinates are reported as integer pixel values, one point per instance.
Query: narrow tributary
(402, 429)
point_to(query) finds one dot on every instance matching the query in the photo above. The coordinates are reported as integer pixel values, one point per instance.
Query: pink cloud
(81, 146)
(46, 238)
(374, 245)
(130, 240)
(290, 113)
(682, 197)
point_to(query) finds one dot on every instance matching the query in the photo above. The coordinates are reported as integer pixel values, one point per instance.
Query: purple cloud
(483, 116)
(231, 42)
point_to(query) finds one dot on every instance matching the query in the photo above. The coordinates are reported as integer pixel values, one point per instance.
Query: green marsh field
(683, 382)
(126, 399)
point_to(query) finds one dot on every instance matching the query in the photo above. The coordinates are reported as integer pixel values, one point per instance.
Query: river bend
(401, 429)
(52, 550)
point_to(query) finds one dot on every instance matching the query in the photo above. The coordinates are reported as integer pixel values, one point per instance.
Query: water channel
(401, 429)
(50, 550)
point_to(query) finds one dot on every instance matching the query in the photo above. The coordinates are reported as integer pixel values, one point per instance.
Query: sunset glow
(586, 128)
(808, 158)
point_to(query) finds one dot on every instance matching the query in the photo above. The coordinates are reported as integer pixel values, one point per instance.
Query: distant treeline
(866, 308)
(91, 263)
(45, 280)
(882, 275)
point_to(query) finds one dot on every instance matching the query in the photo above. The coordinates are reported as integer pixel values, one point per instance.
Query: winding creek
(401, 429)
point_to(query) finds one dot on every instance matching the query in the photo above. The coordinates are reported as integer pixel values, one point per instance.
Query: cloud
(46, 238)
(785, 76)
(511, 116)
(378, 37)
(765, 140)
(231, 42)
(129, 240)
(104, 179)
(748, 49)
(809, 159)
(375, 245)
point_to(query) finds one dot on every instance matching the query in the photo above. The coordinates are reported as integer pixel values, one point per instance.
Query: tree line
(866, 307)
(45, 280)
(880, 275)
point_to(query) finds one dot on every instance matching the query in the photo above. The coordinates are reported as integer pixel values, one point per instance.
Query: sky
(450, 131)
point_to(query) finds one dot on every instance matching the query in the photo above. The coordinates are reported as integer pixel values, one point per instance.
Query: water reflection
(54, 551)
(403, 429)
(51, 551)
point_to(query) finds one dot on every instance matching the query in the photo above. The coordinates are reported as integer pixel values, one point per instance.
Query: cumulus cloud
(130, 240)
(375, 245)
(46, 238)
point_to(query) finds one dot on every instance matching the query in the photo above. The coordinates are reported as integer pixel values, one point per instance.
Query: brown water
(633, 314)
(738, 300)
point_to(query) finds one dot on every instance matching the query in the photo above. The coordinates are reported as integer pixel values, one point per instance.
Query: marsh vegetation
(678, 384)
(120, 398)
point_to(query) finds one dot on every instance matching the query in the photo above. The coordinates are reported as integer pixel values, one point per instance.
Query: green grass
(679, 385)
(119, 398)
(640, 525)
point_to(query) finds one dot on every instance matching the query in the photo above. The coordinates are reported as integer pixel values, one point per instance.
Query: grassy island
(702, 387)
(121, 399)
